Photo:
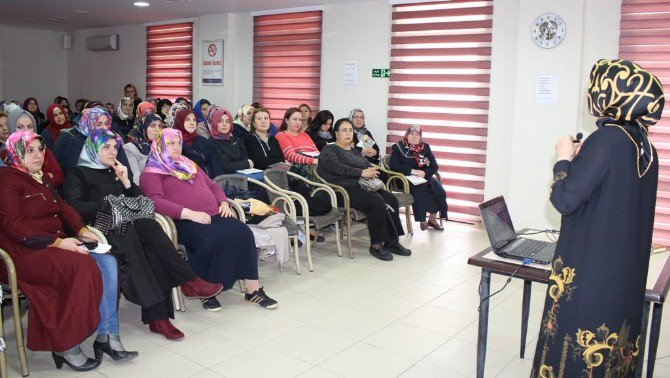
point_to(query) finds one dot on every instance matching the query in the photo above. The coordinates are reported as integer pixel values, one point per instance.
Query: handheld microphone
(578, 138)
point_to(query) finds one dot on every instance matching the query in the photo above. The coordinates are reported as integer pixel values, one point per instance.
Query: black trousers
(150, 267)
(383, 224)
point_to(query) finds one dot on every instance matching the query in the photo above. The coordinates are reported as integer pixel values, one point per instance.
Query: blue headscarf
(198, 112)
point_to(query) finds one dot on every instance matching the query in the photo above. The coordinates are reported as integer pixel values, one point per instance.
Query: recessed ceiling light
(82, 12)
(141, 4)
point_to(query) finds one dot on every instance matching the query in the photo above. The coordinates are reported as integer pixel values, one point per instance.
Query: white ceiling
(37, 13)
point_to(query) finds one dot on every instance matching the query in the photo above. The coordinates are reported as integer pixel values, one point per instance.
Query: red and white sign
(212, 62)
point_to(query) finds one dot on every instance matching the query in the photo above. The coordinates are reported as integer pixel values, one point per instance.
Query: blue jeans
(109, 320)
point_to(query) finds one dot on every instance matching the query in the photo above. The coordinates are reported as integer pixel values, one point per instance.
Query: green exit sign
(381, 72)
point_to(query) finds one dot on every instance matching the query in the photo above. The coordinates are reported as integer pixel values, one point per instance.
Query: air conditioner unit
(103, 43)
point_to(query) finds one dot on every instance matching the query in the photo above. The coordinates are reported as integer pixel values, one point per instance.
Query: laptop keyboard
(529, 248)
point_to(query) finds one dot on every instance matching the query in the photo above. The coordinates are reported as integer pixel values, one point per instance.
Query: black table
(655, 298)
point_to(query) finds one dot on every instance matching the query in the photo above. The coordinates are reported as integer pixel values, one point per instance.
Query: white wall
(101, 75)
(33, 65)
(358, 32)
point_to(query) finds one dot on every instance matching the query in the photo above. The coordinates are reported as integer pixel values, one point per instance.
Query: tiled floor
(412, 317)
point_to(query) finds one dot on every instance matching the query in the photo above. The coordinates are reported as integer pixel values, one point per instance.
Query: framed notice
(212, 62)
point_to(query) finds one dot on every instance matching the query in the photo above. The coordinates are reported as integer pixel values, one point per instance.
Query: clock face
(548, 30)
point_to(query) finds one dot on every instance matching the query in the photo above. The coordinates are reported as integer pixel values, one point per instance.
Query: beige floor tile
(262, 362)
(460, 357)
(517, 368)
(414, 290)
(260, 328)
(159, 362)
(341, 291)
(310, 343)
(423, 370)
(439, 320)
(386, 305)
(319, 372)
(351, 323)
(305, 307)
(212, 346)
(363, 360)
(410, 341)
(502, 337)
(206, 374)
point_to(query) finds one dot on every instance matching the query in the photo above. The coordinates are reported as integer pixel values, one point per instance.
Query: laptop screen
(498, 222)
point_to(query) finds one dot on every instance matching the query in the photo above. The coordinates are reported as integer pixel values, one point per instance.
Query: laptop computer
(505, 242)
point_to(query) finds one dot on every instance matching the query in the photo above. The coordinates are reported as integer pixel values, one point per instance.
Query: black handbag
(118, 211)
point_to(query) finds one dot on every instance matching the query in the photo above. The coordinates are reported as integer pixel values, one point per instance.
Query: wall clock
(548, 30)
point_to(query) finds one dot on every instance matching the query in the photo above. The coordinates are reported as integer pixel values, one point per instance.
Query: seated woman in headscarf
(243, 121)
(195, 147)
(320, 130)
(172, 113)
(21, 120)
(143, 109)
(58, 120)
(163, 108)
(363, 141)
(70, 142)
(137, 151)
(150, 265)
(124, 119)
(32, 107)
(340, 164)
(200, 109)
(71, 292)
(412, 156)
(227, 151)
(4, 134)
(220, 248)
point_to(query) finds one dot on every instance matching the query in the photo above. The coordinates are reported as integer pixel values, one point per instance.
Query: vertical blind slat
(169, 56)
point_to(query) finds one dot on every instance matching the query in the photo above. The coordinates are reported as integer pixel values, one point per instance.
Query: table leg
(643, 340)
(654, 333)
(525, 310)
(484, 290)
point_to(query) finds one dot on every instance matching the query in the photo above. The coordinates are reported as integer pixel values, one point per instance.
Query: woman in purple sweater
(220, 248)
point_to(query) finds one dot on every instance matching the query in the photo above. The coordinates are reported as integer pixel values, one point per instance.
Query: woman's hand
(370, 172)
(251, 163)
(315, 162)
(224, 210)
(121, 173)
(418, 173)
(566, 149)
(90, 235)
(196, 216)
(72, 244)
(369, 151)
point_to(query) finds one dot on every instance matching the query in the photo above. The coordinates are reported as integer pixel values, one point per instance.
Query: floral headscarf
(214, 115)
(119, 109)
(16, 146)
(363, 130)
(622, 93)
(143, 108)
(239, 119)
(90, 118)
(90, 154)
(160, 162)
(141, 140)
(169, 119)
(179, 120)
(417, 149)
(54, 128)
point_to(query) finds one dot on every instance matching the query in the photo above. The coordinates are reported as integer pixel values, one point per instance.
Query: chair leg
(178, 299)
(295, 252)
(309, 247)
(3, 356)
(241, 287)
(408, 219)
(18, 329)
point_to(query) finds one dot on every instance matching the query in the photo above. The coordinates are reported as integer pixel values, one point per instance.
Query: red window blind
(645, 39)
(169, 60)
(440, 67)
(287, 61)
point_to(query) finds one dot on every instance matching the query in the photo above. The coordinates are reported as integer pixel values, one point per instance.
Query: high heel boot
(75, 359)
(111, 345)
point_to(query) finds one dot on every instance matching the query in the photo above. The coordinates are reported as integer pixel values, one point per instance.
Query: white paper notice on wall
(351, 72)
(212, 62)
(545, 89)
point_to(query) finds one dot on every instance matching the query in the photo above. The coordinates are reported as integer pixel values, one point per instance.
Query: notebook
(505, 242)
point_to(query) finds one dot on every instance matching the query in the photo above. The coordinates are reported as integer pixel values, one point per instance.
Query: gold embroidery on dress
(592, 348)
(621, 354)
(546, 372)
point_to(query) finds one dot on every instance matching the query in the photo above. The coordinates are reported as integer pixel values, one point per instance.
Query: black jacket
(264, 154)
(228, 156)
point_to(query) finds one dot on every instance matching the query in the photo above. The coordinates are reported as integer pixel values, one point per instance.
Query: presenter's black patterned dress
(593, 311)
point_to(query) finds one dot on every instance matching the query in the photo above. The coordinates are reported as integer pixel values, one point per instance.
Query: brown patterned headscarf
(623, 93)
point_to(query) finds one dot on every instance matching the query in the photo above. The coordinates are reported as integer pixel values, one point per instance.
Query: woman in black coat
(195, 147)
(341, 165)
(149, 264)
(321, 129)
(227, 151)
(411, 156)
(363, 141)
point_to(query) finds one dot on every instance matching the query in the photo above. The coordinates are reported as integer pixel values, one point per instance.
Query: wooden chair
(170, 229)
(281, 200)
(18, 324)
(278, 180)
(398, 185)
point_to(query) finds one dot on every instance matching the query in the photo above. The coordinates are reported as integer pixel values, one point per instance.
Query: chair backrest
(279, 178)
(386, 161)
(238, 181)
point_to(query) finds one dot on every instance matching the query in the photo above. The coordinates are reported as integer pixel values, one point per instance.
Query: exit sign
(381, 72)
